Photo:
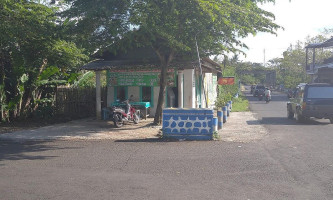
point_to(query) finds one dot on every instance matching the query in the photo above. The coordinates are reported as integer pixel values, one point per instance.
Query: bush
(225, 94)
(240, 104)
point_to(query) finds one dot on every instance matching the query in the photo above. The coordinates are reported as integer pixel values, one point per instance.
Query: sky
(300, 18)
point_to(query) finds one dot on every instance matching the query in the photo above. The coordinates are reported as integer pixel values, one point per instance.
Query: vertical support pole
(194, 98)
(306, 59)
(219, 119)
(313, 59)
(189, 88)
(225, 115)
(98, 95)
(180, 89)
(215, 124)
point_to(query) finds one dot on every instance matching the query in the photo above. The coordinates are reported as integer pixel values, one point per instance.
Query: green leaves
(48, 72)
(170, 24)
(33, 53)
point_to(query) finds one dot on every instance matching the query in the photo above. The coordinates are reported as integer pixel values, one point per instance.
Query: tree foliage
(251, 73)
(170, 27)
(33, 56)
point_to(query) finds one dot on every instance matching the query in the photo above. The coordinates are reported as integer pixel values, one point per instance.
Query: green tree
(171, 27)
(32, 55)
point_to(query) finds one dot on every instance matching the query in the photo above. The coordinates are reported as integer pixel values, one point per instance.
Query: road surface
(293, 161)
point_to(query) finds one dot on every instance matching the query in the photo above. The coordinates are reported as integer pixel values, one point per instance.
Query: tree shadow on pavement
(284, 121)
(27, 150)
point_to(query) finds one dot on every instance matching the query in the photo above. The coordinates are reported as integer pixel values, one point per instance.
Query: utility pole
(264, 57)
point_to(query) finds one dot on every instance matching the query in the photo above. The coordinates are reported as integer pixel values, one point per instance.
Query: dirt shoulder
(240, 127)
(83, 129)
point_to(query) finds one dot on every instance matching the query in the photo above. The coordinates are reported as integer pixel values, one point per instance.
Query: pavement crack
(128, 159)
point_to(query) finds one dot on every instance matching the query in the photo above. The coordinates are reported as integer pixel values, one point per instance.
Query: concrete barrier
(225, 116)
(215, 124)
(228, 109)
(219, 119)
(230, 103)
(191, 124)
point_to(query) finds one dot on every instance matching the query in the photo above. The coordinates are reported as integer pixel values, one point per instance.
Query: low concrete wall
(192, 124)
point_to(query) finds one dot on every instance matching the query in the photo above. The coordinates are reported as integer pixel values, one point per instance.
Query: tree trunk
(2, 78)
(161, 96)
(10, 83)
(29, 89)
(165, 61)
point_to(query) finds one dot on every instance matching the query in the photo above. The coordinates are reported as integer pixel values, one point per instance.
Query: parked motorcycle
(121, 116)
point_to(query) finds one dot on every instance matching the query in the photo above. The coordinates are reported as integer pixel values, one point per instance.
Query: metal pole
(98, 95)
(202, 82)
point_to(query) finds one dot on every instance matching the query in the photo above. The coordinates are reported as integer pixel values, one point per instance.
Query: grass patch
(240, 104)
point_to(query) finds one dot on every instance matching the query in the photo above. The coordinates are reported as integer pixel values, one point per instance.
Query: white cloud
(300, 18)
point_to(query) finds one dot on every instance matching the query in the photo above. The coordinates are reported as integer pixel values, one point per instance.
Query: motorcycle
(268, 98)
(121, 116)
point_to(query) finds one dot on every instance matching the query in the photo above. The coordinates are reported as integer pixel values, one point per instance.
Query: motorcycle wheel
(118, 120)
(290, 113)
(299, 117)
(136, 118)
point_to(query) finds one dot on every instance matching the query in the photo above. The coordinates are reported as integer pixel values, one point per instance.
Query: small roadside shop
(137, 78)
(320, 70)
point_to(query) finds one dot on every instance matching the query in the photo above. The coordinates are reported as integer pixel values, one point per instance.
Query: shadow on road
(160, 140)
(284, 121)
(11, 150)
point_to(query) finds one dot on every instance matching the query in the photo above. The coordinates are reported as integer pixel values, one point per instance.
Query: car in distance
(311, 100)
(260, 89)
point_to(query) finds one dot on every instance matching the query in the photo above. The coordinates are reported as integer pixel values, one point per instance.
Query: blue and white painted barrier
(225, 116)
(228, 109)
(215, 124)
(230, 103)
(192, 124)
(219, 119)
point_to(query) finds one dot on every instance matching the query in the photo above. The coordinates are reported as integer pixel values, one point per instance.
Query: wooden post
(98, 95)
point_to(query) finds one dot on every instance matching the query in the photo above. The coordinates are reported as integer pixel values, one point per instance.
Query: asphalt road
(294, 161)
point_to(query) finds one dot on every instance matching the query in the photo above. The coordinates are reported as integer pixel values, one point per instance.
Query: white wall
(153, 108)
(135, 91)
(180, 89)
(189, 91)
(210, 86)
(189, 88)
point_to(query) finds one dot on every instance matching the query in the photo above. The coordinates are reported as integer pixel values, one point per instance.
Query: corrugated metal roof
(327, 43)
(100, 65)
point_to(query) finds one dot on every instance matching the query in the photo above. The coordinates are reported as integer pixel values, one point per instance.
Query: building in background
(135, 75)
(320, 71)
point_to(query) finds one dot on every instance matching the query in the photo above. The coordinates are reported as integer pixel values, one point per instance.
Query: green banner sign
(138, 78)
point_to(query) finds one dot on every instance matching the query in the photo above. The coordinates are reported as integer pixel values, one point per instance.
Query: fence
(78, 102)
